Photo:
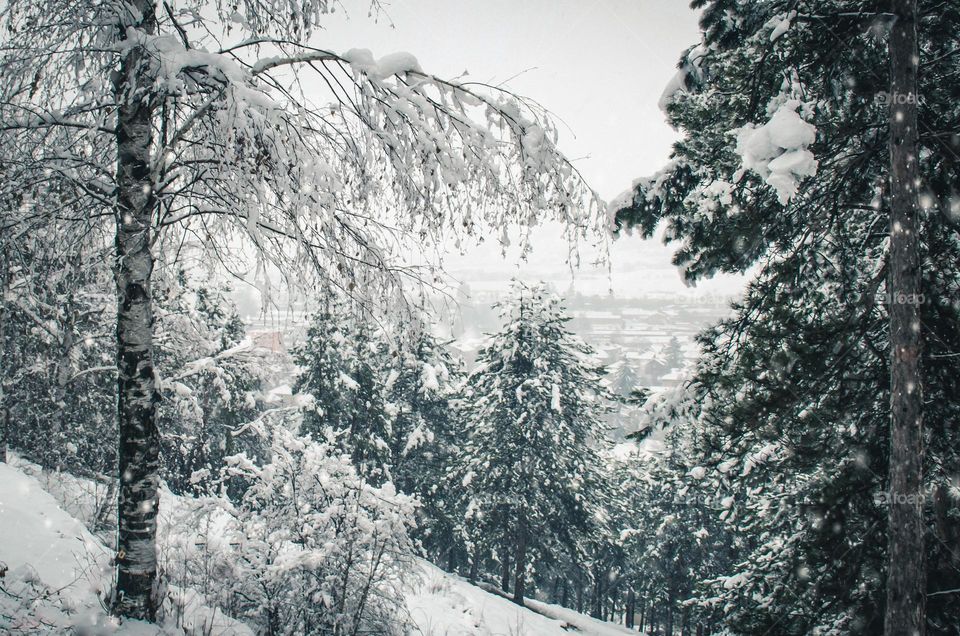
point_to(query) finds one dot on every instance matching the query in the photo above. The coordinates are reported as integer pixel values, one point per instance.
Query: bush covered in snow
(309, 549)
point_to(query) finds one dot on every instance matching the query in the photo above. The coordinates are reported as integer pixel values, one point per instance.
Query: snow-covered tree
(58, 375)
(671, 525)
(211, 375)
(323, 361)
(623, 378)
(156, 121)
(344, 368)
(673, 353)
(311, 548)
(625, 384)
(787, 120)
(530, 459)
(423, 390)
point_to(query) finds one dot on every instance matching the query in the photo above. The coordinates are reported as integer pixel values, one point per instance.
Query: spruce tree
(323, 359)
(58, 374)
(210, 381)
(530, 460)
(783, 166)
(342, 364)
(423, 388)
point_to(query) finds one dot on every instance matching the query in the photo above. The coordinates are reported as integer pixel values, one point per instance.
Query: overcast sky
(599, 66)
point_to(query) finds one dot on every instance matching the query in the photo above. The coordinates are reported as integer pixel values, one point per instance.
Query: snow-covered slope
(55, 573)
(445, 605)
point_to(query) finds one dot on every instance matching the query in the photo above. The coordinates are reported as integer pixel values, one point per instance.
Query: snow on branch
(339, 168)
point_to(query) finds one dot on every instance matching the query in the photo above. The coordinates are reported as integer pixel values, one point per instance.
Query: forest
(168, 465)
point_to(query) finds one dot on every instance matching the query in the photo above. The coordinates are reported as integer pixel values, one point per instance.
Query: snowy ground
(54, 572)
(53, 575)
(446, 605)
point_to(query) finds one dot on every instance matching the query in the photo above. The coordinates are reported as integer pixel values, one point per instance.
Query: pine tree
(422, 391)
(323, 360)
(58, 375)
(673, 353)
(342, 367)
(530, 461)
(210, 380)
(793, 393)
(368, 428)
(623, 378)
(671, 525)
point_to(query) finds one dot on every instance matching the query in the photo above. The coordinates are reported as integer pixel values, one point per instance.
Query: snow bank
(576, 622)
(57, 573)
(54, 566)
(446, 604)
(777, 151)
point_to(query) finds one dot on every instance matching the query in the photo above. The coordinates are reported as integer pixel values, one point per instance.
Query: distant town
(645, 342)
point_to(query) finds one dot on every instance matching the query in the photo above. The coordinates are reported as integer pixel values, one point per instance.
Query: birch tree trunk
(906, 571)
(139, 444)
(4, 346)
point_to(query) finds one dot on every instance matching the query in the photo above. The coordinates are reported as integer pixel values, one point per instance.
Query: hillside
(54, 573)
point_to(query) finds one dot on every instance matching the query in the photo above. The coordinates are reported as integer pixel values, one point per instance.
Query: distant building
(269, 340)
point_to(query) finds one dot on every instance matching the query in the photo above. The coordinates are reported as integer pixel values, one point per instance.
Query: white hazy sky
(599, 66)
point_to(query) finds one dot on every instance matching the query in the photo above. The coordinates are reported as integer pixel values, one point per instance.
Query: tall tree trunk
(579, 591)
(505, 568)
(474, 566)
(906, 571)
(4, 348)
(139, 443)
(4, 428)
(451, 559)
(596, 595)
(520, 573)
(630, 609)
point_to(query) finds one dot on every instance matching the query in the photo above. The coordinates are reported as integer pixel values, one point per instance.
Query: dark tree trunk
(139, 444)
(597, 595)
(451, 559)
(630, 609)
(474, 567)
(520, 573)
(643, 613)
(579, 591)
(505, 569)
(906, 571)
